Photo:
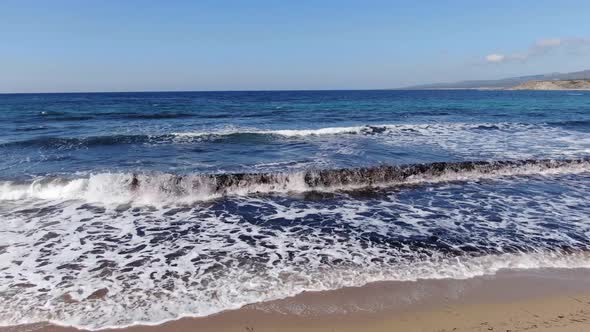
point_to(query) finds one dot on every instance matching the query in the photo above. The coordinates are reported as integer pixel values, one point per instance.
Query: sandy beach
(525, 300)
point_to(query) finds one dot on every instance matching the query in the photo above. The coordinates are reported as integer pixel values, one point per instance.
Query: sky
(132, 45)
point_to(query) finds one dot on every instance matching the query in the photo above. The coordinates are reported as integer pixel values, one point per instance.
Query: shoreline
(511, 300)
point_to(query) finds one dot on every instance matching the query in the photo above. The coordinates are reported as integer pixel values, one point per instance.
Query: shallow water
(187, 204)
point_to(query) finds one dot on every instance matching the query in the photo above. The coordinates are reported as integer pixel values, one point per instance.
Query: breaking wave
(359, 130)
(243, 134)
(158, 188)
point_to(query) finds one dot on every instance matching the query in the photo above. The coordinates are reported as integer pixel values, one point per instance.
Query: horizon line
(182, 91)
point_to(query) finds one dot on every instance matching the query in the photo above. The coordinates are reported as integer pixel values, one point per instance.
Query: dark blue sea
(128, 208)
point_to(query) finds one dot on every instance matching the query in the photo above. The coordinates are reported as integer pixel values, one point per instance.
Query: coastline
(511, 300)
(498, 89)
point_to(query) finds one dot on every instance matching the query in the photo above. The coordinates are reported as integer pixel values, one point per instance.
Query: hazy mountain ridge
(554, 85)
(504, 83)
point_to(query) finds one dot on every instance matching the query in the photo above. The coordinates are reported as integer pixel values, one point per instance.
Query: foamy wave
(365, 129)
(119, 188)
(98, 315)
(159, 264)
(285, 132)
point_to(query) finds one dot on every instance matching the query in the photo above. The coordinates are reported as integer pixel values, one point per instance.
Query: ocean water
(128, 208)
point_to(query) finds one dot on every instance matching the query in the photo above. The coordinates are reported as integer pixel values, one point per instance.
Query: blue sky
(252, 45)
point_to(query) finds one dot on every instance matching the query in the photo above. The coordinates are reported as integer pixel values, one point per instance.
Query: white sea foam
(156, 189)
(162, 264)
(98, 315)
(284, 132)
(423, 128)
(324, 131)
(162, 254)
(466, 140)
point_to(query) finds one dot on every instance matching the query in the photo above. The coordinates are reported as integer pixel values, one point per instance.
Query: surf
(159, 188)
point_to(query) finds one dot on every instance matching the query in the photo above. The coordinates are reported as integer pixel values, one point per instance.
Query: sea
(119, 209)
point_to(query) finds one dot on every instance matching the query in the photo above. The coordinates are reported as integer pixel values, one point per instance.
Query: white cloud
(541, 47)
(553, 42)
(495, 58)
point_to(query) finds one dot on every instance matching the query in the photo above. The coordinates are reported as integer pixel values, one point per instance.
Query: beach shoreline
(511, 300)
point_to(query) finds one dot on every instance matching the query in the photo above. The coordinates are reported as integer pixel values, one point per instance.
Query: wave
(572, 124)
(150, 116)
(157, 188)
(73, 142)
(243, 134)
(293, 132)
(31, 128)
(66, 116)
(362, 130)
(81, 313)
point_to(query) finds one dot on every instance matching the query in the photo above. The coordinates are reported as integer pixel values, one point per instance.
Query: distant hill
(503, 83)
(554, 85)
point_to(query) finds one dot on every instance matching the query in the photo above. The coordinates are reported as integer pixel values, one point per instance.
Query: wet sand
(525, 300)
